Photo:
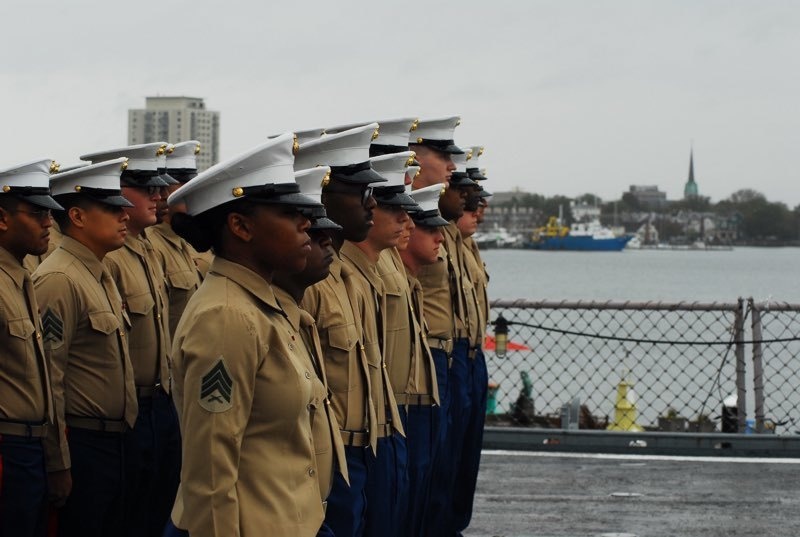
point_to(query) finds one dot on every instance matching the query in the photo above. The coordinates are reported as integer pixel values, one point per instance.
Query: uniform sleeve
(217, 356)
(56, 293)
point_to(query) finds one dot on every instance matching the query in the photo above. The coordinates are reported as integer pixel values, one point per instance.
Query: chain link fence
(684, 366)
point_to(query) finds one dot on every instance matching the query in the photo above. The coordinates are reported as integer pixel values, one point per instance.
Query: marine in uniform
(244, 386)
(477, 375)
(336, 305)
(289, 289)
(26, 403)
(445, 289)
(178, 258)
(86, 342)
(387, 483)
(152, 451)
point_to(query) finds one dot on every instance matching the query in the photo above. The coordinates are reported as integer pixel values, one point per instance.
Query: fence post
(741, 381)
(758, 366)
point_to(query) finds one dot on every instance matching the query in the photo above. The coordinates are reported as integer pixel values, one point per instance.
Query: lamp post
(500, 337)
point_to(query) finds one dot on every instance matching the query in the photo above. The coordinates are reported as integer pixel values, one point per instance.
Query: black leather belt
(148, 391)
(410, 399)
(355, 438)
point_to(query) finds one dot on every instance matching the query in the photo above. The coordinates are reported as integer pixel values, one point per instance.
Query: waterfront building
(177, 119)
(649, 196)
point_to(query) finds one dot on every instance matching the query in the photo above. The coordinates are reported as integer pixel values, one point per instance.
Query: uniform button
(38, 335)
(308, 375)
(291, 346)
(311, 472)
(309, 406)
(158, 316)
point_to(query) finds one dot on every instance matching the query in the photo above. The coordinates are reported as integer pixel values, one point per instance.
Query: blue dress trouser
(466, 477)
(347, 505)
(152, 465)
(23, 487)
(438, 519)
(387, 487)
(422, 431)
(96, 505)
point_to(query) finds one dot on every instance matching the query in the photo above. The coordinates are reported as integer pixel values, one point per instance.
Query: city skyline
(567, 98)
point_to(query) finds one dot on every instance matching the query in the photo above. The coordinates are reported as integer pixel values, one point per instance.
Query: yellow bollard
(624, 411)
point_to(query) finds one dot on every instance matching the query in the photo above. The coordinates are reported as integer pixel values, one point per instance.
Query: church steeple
(690, 190)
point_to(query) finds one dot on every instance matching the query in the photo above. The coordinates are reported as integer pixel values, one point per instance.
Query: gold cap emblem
(295, 145)
(410, 161)
(161, 150)
(419, 140)
(418, 172)
(197, 149)
(6, 188)
(480, 151)
(458, 122)
(414, 125)
(55, 167)
(77, 188)
(441, 192)
(376, 134)
(469, 154)
(124, 165)
(326, 180)
(170, 149)
(237, 192)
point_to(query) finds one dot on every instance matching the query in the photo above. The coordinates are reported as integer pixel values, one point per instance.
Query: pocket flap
(343, 337)
(140, 304)
(104, 321)
(21, 328)
(181, 280)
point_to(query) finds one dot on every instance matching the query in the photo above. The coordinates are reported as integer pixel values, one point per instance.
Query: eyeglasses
(366, 194)
(39, 214)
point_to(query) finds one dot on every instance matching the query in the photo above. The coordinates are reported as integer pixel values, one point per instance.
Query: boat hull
(581, 244)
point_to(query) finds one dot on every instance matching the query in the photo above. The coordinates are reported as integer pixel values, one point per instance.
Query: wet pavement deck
(527, 494)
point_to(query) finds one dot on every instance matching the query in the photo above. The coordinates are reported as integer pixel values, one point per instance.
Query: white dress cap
(183, 155)
(393, 167)
(412, 172)
(437, 134)
(346, 152)
(474, 163)
(312, 180)
(460, 176)
(30, 181)
(143, 157)
(264, 166)
(427, 199)
(393, 134)
(97, 181)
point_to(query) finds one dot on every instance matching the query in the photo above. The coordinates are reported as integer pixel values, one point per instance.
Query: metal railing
(680, 360)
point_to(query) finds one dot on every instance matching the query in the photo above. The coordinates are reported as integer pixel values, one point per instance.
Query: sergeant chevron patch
(216, 388)
(52, 329)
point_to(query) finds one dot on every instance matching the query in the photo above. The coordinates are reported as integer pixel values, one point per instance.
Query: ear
(240, 226)
(77, 217)
(5, 216)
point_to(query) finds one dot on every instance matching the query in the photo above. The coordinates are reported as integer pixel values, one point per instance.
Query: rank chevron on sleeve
(52, 327)
(216, 388)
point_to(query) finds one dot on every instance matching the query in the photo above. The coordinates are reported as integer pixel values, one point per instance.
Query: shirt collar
(12, 267)
(246, 278)
(84, 255)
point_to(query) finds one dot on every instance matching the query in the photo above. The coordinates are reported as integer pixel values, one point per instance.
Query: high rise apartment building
(176, 119)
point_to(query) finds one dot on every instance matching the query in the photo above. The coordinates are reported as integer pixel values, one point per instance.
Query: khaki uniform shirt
(85, 342)
(178, 265)
(32, 262)
(331, 303)
(203, 261)
(480, 279)
(328, 447)
(371, 294)
(407, 357)
(443, 290)
(244, 393)
(472, 305)
(24, 377)
(140, 280)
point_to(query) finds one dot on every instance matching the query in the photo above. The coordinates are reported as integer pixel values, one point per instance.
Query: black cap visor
(166, 177)
(461, 179)
(357, 174)
(443, 146)
(475, 174)
(324, 223)
(392, 195)
(42, 200)
(279, 194)
(141, 179)
(428, 219)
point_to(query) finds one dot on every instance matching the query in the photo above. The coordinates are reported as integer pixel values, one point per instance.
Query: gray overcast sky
(567, 96)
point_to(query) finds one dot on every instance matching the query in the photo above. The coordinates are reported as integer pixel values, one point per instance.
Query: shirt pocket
(104, 325)
(397, 307)
(342, 340)
(140, 304)
(181, 280)
(20, 359)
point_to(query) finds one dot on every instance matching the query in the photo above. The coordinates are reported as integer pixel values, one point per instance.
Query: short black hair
(68, 201)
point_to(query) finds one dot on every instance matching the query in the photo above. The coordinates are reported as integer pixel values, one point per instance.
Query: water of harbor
(643, 275)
